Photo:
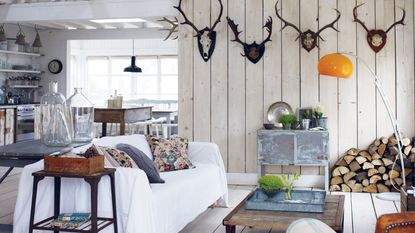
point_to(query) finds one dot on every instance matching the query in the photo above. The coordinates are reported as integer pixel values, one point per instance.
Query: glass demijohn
(54, 118)
(82, 111)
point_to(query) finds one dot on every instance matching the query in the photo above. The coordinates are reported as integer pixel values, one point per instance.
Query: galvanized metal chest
(293, 147)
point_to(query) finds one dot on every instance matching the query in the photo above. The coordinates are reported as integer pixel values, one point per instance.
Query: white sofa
(141, 207)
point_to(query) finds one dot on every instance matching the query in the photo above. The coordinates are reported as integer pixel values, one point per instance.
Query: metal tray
(276, 110)
(302, 201)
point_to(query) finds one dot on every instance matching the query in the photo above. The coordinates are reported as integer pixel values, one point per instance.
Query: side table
(95, 224)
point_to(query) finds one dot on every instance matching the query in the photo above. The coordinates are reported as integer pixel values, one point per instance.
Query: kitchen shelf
(21, 53)
(21, 71)
(25, 86)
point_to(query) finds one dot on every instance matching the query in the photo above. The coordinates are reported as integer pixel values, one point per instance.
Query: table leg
(6, 174)
(57, 198)
(230, 229)
(93, 182)
(36, 180)
(122, 128)
(114, 206)
(104, 129)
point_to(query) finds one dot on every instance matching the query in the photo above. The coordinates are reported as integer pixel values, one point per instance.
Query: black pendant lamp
(133, 68)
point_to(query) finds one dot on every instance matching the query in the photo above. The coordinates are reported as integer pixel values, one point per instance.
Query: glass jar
(55, 129)
(82, 111)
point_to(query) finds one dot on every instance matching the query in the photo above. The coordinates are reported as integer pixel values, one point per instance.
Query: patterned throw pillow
(118, 158)
(170, 154)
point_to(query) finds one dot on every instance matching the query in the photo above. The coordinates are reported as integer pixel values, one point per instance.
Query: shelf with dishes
(21, 71)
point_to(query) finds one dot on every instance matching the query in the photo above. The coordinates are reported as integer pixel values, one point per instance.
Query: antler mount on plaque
(376, 37)
(253, 51)
(308, 38)
(206, 38)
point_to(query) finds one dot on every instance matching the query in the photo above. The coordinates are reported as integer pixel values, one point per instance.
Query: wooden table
(168, 114)
(279, 220)
(121, 115)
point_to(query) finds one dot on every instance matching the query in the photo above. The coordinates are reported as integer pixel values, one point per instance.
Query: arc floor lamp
(339, 65)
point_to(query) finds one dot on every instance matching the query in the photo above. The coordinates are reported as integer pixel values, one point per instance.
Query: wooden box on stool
(407, 199)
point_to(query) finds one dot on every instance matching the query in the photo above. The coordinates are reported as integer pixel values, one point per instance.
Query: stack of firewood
(373, 170)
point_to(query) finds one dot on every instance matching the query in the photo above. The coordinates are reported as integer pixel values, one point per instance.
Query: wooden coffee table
(279, 220)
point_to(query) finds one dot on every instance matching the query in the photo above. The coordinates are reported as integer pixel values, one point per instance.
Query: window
(158, 81)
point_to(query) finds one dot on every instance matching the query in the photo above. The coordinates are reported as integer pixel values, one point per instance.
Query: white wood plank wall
(225, 100)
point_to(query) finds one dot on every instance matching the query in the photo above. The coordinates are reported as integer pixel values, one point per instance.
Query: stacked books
(71, 220)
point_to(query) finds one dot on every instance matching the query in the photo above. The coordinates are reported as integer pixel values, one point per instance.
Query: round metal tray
(277, 109)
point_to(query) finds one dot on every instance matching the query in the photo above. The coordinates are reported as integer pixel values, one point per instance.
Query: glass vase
(55, 121)
(82, 111)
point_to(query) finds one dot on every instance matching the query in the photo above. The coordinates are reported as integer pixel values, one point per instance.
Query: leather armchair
(396, 223)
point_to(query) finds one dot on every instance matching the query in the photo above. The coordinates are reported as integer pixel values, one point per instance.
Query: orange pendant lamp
(336, 65)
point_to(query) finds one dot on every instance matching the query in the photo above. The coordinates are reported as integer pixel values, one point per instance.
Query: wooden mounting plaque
(74, 165)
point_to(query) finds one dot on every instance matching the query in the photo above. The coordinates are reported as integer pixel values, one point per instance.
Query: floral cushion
(118, 158)
(170, 154)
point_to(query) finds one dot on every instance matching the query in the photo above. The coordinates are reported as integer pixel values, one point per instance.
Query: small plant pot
(305, 123)
(322, 122)
(287, 126)
(270, 193)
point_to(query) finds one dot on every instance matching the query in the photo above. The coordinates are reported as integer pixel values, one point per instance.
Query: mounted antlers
(376, 37)
(206, 38)
(253, 51)
(174, 27)
(308, 38)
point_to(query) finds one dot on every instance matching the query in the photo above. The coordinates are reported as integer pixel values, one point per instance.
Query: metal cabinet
(293, 147)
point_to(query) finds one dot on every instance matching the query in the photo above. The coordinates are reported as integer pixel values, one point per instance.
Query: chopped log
(381, 149)
(353, 151)
(398, 181)
(374, 179)
(411, 157)
(394, 174)
(372, 149)
(361, 159)
(361, 176)
(370, 189)
(382, 188)
(351, 183)
(397, 167)
(334, 188)
(393, 141)
(406, 141)
(382, 169)
(393, 150)
(365, 182)
(367, 166)
(365, 154)
(413, 149)
(376, 156)
(387, 162)
(341, 170)
(377, 162)
(385, 177)
(354, 166)
(348, 176)
(357, 188)
(372, 171)
(407, 149)
(406, 163)
(376, 142)
(388, 182)
(336, 180)
(341, 162)
(408, 171)
(384, 140)
(348, 158)
(346, 188)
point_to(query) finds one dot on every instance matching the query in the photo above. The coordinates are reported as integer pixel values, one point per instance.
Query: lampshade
(37, 43)
(336, 65)
(20, 37)
(133, 68)
(2, 33)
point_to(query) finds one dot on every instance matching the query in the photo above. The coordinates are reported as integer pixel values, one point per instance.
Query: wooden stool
(92, 225)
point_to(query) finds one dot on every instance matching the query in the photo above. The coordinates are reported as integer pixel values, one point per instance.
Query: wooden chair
(396, 223)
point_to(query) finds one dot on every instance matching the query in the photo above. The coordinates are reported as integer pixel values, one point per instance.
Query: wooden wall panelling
(385, 66)
(236, 91)
(272, 66)
(186, 53)
(2, 126)
(308, 72)
(328, 85)
(347, 109)
(405, 68)
(254, 84)
(10, 126)
(366, 90)
(201, 80)
(219, 83)
(291, 61)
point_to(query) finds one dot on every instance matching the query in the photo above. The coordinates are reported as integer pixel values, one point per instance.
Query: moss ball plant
(270, 185)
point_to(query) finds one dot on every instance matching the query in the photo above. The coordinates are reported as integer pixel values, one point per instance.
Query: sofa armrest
(204, 152)
(396, 223)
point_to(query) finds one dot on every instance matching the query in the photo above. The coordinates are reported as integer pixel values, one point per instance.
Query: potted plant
(270, 185)
(288, 182)
(320, 120)
(288, 120)
(305, 122)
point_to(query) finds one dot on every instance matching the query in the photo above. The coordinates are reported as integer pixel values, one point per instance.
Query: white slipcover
(141, 207)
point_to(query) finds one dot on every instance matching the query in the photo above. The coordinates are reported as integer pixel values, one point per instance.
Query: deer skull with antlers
(308, 38)
(206, 38)
(376, 37)
(253, 51)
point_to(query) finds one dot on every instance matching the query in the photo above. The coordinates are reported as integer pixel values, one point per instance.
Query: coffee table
(280, 220)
